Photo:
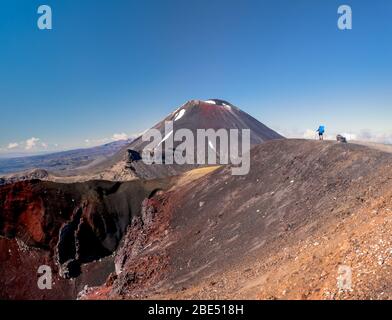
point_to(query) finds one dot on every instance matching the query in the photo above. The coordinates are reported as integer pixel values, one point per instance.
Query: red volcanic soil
(70, 227)
(280, 232)
(23, 212)
(210, 111)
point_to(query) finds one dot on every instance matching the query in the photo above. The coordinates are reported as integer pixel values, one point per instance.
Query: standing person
(321, 131)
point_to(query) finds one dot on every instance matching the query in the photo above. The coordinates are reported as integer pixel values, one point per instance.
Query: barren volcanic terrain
(282, 231)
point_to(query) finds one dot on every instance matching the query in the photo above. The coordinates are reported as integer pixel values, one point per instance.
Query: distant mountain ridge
(63, 160)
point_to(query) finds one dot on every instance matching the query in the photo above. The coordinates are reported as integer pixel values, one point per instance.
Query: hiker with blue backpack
(321, 131)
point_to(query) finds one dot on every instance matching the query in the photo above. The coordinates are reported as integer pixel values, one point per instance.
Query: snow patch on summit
(165, 138)
(211, 145)
(179, 115)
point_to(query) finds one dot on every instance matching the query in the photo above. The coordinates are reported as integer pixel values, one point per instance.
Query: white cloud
(350, 136)
(309, 134)
(119, 136)
(378, 137)
(31, 143)
(13, 145)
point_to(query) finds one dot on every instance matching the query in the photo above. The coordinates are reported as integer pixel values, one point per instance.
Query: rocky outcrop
(141, 262)
(68, 225)
(24, 176)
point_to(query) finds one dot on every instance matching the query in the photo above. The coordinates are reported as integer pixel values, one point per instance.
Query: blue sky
(117, 67)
